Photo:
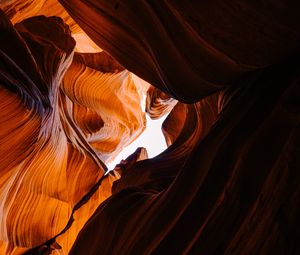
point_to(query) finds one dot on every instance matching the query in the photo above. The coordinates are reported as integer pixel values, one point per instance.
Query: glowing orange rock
(108, 104)
(228, 182)
(158, 103)
(48, 166)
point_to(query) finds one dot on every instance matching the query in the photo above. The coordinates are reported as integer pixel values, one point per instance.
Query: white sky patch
(152, 139)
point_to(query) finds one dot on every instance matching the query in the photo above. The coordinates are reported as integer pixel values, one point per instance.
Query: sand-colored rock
(228, 183)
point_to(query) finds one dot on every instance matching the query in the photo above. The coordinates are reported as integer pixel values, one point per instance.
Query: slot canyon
(225, 75)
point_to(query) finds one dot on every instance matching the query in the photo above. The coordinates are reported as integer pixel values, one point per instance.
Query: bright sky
(152, 139)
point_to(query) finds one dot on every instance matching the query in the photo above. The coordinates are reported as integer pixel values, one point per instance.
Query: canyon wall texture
(70, 100)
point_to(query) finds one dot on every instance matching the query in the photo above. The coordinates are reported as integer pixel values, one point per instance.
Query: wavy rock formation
(158, 103)
(173, 124)
(19, 10)
(234, 182)
(228, 183)
(51, 136)
(49, 169)
(105, 105)
(191, 49)
(212, 195)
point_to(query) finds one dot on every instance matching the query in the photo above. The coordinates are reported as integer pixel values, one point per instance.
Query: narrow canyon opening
(149, 127)
(152, 139)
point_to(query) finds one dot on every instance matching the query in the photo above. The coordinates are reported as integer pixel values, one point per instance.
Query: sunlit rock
(105, 105)
(48, 164)
(158, 103)
(227, 73)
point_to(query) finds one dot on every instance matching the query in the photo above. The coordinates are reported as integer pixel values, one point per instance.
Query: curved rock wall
(57, 129)
(228, 183)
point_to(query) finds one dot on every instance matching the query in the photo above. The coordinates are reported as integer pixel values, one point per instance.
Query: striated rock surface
(105, 105)
(173, 124)
(158, 103)
(219, 193)
(228, 73)
(57, 128)
(48, 170)
(227, 190)
(190, 49)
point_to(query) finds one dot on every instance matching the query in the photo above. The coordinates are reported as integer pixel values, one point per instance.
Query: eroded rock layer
(230, 191)
(54, 139)
(190, 49)
(94, 95)
(18, 10)
(228, 183)
(158, 103)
